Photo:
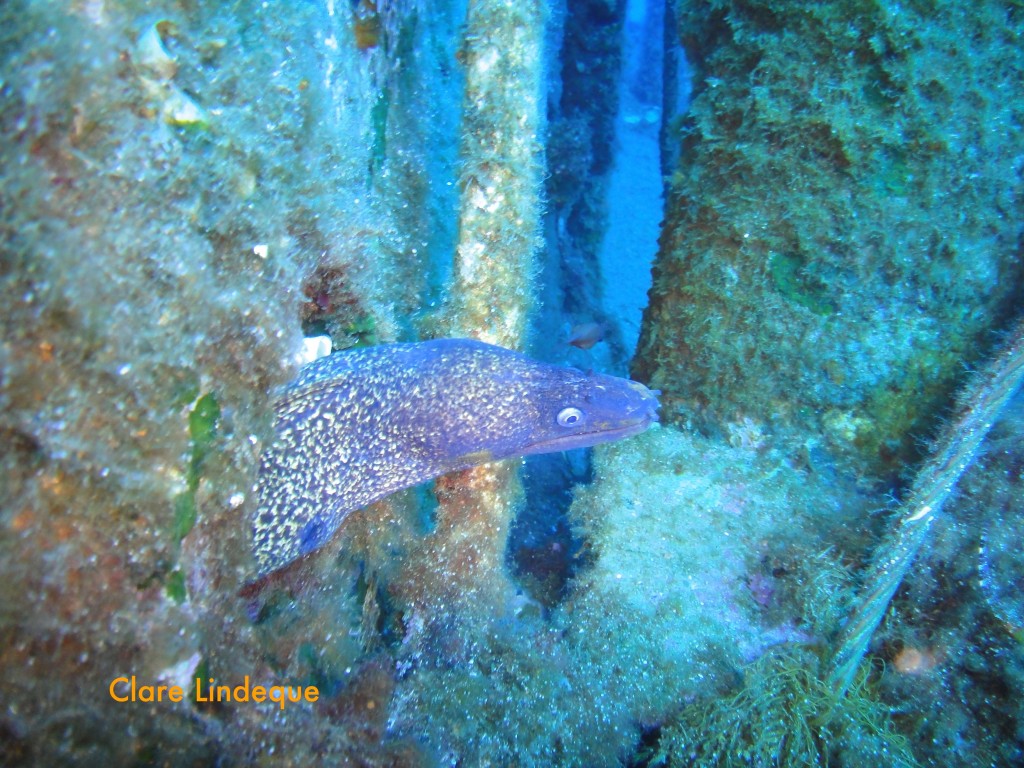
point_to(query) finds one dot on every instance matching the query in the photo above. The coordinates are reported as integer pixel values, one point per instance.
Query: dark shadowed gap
(601, 227)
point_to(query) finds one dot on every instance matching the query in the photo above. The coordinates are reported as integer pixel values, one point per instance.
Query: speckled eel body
(356, 426)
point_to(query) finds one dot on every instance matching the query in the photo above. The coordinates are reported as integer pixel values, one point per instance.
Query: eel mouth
(623, 428)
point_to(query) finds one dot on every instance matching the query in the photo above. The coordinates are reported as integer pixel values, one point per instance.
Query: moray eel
(356, 426)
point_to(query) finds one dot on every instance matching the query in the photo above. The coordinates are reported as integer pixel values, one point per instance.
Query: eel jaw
(623, 429)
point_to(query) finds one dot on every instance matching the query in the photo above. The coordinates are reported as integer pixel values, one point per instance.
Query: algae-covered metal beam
(500, 181)
(980, 406)
(502, 171)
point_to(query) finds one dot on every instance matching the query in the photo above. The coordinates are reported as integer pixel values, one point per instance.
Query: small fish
(586, 335)
(356, 426)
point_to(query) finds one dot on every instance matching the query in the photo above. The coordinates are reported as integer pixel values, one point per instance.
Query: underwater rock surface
(697, 561)
(954, 638)
(840, 238)
(182, 192)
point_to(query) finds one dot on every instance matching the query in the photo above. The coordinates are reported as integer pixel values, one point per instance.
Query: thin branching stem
(981, 402)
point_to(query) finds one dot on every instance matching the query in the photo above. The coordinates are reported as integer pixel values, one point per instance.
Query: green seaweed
(787, 271)
(786, 714)
(202, 428)
(184, 514)
(175, 588)
(202, 673)
(364, 331)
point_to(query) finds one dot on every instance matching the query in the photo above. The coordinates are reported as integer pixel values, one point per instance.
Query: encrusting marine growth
(981, 405)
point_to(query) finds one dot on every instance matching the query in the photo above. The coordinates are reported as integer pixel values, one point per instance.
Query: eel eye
(569, 417)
